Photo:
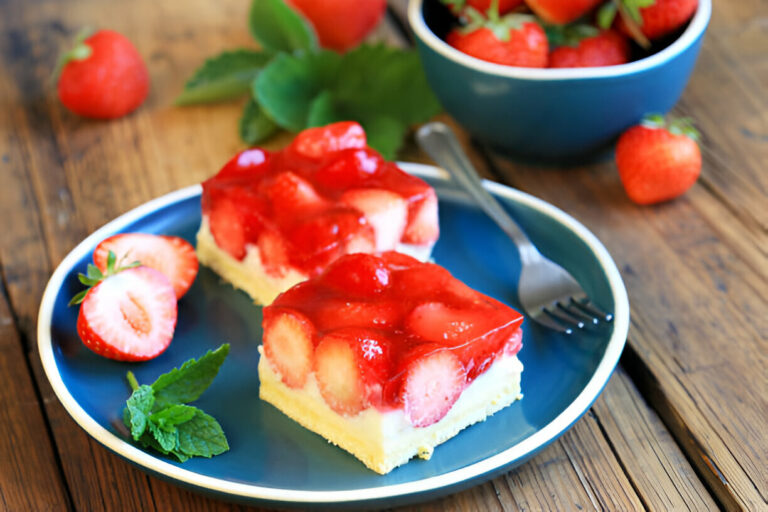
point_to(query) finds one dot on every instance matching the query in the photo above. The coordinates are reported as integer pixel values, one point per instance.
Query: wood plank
(30, 478)
(646, 450)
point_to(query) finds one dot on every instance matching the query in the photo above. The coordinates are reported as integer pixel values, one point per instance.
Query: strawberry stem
(80, 51)
(132, 380)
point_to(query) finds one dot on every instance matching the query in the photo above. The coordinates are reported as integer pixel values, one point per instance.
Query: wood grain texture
(26, 450)
(65, 176)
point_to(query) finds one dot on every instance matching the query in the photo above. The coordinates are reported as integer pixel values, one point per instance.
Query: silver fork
(548, 293)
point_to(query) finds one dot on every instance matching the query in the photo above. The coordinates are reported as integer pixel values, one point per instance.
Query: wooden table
(681, 425)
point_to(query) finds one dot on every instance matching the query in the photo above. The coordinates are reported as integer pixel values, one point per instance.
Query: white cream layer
(385, 440)
(249, 274)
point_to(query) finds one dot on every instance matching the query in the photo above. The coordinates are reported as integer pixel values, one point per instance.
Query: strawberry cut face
(129, 316)
(398, 333)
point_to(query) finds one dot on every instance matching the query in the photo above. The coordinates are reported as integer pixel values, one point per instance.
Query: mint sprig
(158, 417)
(294, 84)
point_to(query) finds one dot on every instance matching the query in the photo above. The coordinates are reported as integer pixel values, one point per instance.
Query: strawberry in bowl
(387, 357)
(573, 109)
(273, 219)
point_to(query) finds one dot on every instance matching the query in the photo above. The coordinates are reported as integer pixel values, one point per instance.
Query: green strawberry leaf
(606, 14)
(202, 436)
(223, 77)
(137, 410)
(255, 125)
(187, 383)
(569, 35)
(279, 28)
(286, 87)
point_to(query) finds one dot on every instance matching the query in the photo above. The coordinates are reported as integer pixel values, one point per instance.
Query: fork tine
(564, 317)
(590, 308)
(550, 323)
(571, 309)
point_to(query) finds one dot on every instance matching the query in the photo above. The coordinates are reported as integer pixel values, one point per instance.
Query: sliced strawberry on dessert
(334, 313)
(350, 366)
(560, 12)
(512, 40)
(385, 211)
(274, 252)
(358, 275)
(351, 168)
(433, 379)
(171, 255)
(423, 224)
(584, 46)
(449, 326)
(289, 339)
(128, 314)
(245, 164)
(318, 142)
(290, 194)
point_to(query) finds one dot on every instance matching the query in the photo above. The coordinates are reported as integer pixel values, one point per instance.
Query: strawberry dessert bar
(387, 357)
(273, 219)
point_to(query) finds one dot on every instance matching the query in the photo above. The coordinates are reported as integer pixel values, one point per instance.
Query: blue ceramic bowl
(552, 114)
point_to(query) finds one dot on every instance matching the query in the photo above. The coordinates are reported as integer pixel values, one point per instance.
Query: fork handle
(441, 144)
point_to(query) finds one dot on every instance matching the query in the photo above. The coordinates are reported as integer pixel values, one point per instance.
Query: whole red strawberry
(513, 40)
(341, 24)
(658, 160)
(103, 77)
(560, 12)
(652, 19)
(590, 48)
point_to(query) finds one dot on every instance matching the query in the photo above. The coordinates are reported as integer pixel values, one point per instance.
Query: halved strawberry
(290, 194)
(386, 211)
(514, 343)
(171, 255)
(227, 227)
(358, 275)
(289, 344)
(334, 313)
(274, 252)
(434, 379)
(129, 315)
(423, 226)
(351, 168)
(317, 142)
(350, 366)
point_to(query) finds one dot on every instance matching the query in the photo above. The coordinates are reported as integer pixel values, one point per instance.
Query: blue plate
(274, 461)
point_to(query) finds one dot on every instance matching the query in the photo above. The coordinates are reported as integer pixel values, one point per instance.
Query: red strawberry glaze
(413, 309)
(302, 192)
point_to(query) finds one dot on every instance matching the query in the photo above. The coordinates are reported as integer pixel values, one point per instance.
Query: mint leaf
(167, 419)
(187, 383)
(289, 84)
(385, 134)
(279, 28)
(137, 410)
(255, 125)
(322, 110)
(202, 436)
(167, 439)
(377, 80)
(223, 77)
